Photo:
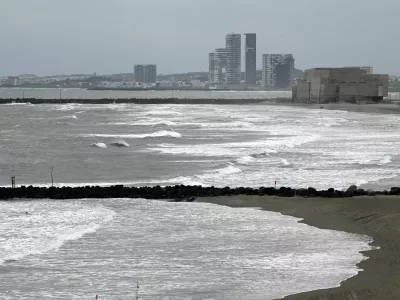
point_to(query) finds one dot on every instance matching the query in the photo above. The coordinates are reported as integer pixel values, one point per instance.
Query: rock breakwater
(177, 192)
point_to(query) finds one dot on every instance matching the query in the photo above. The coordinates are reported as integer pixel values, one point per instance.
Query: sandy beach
(378, 217)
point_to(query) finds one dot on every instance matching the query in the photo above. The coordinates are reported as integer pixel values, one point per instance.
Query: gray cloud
(109, 36)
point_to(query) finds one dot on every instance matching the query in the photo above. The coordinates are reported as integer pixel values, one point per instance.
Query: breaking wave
(162, 133)
(47, 228)
(120, 144)
(99, 145)
(245, 160)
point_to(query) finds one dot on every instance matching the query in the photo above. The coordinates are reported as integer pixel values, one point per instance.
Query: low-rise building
(349, 84)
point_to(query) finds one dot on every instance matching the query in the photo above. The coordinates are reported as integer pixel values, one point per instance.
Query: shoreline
(376, 216)
(378, 108)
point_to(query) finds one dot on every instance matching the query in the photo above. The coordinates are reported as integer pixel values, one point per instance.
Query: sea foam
(47, 226)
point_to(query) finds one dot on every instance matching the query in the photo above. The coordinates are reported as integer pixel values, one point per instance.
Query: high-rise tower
(251, 58)
(233, 58)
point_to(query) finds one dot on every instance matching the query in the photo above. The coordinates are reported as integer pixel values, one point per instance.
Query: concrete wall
(342, 84)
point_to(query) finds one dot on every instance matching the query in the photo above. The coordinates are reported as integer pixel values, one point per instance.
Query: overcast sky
(46, 37)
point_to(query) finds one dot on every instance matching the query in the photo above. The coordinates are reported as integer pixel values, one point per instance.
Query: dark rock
(352, 188)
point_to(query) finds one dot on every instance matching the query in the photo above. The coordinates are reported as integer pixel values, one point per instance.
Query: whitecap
(229, 170)
(162, 113)
(163, 133)
(120, 144)
(386, 160)
(245, 160)
(47, 228)
(73, 117)
(99, 145)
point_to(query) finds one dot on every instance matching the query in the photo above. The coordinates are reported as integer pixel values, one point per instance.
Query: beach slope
(378, 217)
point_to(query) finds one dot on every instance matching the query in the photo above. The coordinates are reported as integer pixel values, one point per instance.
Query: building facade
(270, 65)
(146, 73)
(348, 84)
(13, 80)
(251, 58)
(233, 58)
(368, 69)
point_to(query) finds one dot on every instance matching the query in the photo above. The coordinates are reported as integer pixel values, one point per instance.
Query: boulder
(302, 192)
(312, 191)
(395, 191)
(353, 189)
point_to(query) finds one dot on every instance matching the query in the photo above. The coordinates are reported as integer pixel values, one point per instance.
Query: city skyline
(110, 37)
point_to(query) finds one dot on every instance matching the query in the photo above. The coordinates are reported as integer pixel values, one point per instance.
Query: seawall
(178, 192)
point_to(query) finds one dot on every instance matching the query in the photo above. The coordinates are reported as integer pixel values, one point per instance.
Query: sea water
(220, 145)
(76, 249)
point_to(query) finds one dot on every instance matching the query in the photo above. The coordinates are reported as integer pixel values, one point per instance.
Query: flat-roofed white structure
(233, 58)
(349, 84)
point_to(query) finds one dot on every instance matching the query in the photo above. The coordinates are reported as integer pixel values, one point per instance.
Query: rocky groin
(138, 101)
(177, 193)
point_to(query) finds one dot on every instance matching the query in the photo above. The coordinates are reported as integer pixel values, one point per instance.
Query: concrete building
(217, 66)
(13, 80)
(251, 58)
(368, 69)
(349, 84)
(282, 76)
(270, 64)
(146, 73)
(221, 56)
(233, 58)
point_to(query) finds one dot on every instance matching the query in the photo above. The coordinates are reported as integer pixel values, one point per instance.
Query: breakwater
(177, 193)
(140, 101)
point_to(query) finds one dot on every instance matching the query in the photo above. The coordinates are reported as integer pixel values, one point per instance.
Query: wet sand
(378, 217)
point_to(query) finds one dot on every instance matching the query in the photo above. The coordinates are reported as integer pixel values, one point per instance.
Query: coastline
(378, 108)
(376, 216)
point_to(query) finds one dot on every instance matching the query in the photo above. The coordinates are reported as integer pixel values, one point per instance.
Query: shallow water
(76, 249)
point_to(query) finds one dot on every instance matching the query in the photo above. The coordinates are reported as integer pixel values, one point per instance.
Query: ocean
(76, 249)
(220, 145)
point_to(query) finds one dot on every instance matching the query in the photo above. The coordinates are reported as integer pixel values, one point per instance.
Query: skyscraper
(146, 73)
(251, 58)
(233, 58)
(270, 67)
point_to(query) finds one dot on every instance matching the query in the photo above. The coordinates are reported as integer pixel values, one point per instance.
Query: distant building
(368, 69)
(213, 68)
(221, 56)
(270, 67)
(217, 65)
(233, 58)
(13, 80)
(349, 84)
(282, 76)
(146, 73)
(251, 58)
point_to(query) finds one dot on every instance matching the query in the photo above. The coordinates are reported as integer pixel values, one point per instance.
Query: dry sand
(378, 217)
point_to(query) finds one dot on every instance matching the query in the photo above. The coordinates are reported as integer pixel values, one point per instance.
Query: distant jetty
(141, 101)
(178, 193)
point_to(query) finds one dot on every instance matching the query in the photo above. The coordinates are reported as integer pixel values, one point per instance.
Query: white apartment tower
(270, 63)
(233, 58)
(217, 65)
(215, 70)
(146, 73)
